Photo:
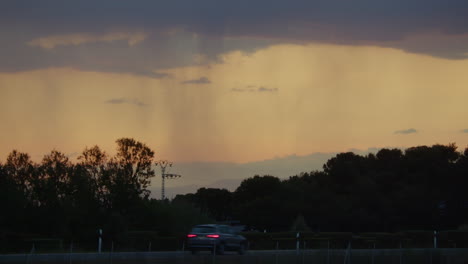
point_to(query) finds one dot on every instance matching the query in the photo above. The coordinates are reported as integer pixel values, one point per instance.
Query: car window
(231, 230)
(204, 229)
(226, 230)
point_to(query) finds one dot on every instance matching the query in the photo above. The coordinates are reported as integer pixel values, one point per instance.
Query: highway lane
(324, 256)
(145, 257)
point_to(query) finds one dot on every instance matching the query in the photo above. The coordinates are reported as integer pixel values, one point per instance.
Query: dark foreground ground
(355, 256)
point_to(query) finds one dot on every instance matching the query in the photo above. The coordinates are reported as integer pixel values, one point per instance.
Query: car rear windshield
(203, 229)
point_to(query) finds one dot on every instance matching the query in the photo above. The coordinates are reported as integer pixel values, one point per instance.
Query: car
(215, 238)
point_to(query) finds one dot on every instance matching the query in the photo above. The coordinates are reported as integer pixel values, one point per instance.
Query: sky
(227, 89)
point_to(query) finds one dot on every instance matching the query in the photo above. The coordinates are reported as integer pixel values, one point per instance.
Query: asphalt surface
(368, 256)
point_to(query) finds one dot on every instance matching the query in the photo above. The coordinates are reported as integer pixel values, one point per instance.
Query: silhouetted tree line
(421, 188)
(57, 198)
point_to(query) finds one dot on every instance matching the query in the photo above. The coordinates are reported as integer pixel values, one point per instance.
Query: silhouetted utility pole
(163, 164)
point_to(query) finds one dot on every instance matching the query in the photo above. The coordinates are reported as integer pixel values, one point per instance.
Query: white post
(100, 240)
(71, 251)
(401, 253)
(214, 252)
(303, 253)
(347, 252)
(435, 239)
(111, 257)
(276, 252)
(214, 248)
(297, 242)
(29, 257)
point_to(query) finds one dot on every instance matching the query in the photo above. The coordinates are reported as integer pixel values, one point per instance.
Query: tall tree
(256, 187)
(214, 202)
(55, 172)
(135, 161)
(20, 168)
(257, 201)
(129, 174)
(93, 162)
(12, 202)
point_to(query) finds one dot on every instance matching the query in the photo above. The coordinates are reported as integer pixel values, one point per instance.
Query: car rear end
(203, 237)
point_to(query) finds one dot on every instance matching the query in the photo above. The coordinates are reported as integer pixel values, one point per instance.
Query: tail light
(212, 236)
(191, 235)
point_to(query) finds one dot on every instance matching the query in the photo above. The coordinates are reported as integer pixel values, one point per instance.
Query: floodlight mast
(163, 164)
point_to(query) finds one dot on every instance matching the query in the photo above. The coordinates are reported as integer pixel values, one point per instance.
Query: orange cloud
(75, 39)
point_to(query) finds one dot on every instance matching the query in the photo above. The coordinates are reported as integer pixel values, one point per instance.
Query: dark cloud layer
(117, 101)
(266, 89)
(406, 131)
(397, 24)
(202, 80)
(253, 88)
(375, 19)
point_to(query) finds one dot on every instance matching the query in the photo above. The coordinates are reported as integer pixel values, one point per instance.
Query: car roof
(212, 225)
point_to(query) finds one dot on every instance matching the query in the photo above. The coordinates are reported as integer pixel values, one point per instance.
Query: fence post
(183, 251)
(303, 251)
(111, 252)
(276, 252)
(347, 254)
(71, 252)
(149, 246)
(401, 253)
(33, 251)
(214, 252)
(99, 240)
(29, 258)
(297, 243)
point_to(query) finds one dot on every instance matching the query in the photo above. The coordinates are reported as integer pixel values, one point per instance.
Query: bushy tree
(422, 187)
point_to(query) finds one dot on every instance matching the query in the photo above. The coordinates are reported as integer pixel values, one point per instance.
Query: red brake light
(191, 235)
(212, 236)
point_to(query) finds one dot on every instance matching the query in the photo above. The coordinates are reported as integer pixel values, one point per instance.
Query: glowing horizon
(276, 101)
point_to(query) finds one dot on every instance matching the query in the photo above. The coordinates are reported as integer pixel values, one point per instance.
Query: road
(355, 256)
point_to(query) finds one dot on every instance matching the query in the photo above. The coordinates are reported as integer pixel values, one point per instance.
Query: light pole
(163, 164)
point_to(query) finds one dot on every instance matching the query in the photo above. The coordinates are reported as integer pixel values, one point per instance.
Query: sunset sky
(234, 82)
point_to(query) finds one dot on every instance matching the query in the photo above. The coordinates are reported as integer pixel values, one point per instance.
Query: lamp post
(164, 164)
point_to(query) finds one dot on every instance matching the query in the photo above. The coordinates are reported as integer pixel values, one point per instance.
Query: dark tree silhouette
(134, 162)
(422, 187)
(93, 162)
